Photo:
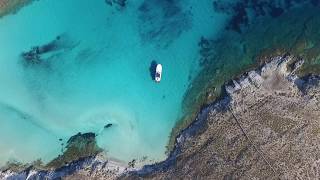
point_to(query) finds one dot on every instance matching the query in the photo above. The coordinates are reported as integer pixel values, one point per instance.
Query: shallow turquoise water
(98, 74)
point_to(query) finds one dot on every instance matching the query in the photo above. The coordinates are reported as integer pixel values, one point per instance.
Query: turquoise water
(98, 73)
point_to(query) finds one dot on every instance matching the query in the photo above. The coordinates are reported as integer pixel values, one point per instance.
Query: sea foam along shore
(98, 166)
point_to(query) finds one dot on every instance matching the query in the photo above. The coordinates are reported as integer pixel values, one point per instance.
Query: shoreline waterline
(196, 127)
(215, 85)
(249, 54)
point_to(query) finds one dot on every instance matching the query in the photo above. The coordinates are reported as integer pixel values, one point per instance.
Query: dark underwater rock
(37, 53)
(78, 146)
(244, 12)
(162, 21)
(120, 3)
(108, 125)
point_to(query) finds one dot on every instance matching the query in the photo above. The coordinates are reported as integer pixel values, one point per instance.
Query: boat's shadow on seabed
(152, 69)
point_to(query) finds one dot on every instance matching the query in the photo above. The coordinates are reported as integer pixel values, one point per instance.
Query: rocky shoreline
(97, 166)
(265, 126)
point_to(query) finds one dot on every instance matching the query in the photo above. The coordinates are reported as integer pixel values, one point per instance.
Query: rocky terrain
(266, 126)
(97, 167)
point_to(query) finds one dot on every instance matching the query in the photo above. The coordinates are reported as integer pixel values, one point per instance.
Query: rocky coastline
(97, 166)
(260, 129)
(265, 126)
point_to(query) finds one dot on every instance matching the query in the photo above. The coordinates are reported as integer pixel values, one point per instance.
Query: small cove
(69, 67)
(96, 72)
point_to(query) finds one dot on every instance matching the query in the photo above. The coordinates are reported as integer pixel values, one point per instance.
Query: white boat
(158, 73)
